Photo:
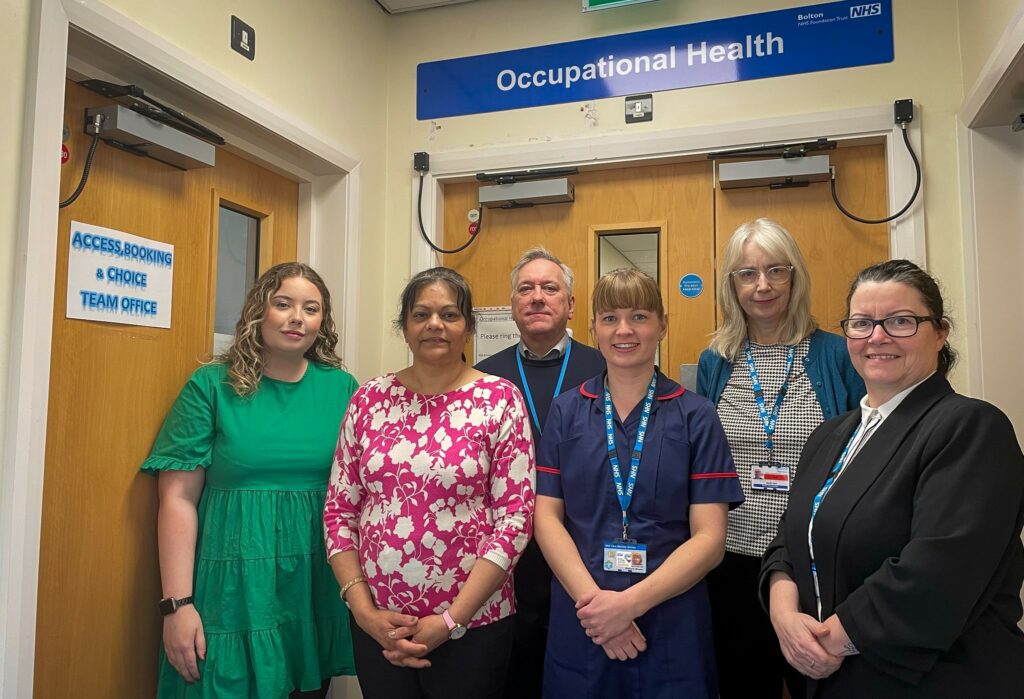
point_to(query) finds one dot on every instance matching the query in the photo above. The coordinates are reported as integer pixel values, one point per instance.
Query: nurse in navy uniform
(634, 482)
(545, 363)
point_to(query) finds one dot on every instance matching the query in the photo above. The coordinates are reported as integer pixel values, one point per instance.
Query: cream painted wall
(982, 23)
(14, 29)
(324, 62)
(926, 68)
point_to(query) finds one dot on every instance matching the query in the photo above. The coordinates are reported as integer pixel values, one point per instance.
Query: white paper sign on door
(117, 277)
(495, 330)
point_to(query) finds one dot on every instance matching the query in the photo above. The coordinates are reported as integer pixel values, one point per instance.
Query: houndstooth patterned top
(753, 525)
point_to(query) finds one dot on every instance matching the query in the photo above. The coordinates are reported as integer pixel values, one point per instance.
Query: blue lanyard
(625, 494)
(833, 474)
(769, 420)
(526, 384)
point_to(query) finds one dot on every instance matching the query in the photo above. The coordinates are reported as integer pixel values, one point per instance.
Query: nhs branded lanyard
(625, 493)
(769, 420)
(858, 434)
(526, 384)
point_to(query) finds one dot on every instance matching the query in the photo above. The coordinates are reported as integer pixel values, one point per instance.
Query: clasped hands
(815, 648)
(406, 640)
(607, 617)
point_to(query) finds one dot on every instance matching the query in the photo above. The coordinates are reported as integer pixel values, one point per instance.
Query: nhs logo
(869, 10)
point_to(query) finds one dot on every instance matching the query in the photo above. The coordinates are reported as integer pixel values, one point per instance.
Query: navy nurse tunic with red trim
(686, 460)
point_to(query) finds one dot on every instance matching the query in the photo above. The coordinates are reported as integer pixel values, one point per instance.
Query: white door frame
(1007, 53)
(978, 202)
(328, 225)
(908, 232)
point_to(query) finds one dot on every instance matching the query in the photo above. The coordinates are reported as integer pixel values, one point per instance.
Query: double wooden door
(693, 220)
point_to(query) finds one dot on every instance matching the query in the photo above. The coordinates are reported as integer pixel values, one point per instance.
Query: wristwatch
(455, 629)
(169, 605)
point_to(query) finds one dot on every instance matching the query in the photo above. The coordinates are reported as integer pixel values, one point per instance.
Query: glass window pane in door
(237, 269)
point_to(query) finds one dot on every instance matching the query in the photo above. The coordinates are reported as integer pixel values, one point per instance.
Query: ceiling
(640, 249)
(394, 7)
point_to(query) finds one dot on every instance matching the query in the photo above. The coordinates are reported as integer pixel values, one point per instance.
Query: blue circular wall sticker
(691, 285)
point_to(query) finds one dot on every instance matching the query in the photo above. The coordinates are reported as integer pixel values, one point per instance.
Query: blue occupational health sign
(691, 285)
(806, 39)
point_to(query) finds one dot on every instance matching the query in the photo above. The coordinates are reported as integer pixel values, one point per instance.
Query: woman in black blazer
(898, 564)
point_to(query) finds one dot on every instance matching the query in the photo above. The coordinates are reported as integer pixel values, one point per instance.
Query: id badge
(625, 556)
(769, 475)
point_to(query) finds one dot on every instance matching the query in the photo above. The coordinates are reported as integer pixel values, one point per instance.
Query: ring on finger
(392, 634)
(812, 663)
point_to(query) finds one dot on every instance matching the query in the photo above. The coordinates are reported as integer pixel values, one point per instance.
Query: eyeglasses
(894, 326)
(775, 275)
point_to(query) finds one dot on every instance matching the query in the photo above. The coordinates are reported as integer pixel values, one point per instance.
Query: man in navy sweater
(545, 363)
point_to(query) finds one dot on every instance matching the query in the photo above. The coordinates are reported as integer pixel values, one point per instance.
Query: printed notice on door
(117, 277)
(495, 330)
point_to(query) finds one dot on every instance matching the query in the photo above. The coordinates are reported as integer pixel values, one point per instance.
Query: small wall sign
(691, 285)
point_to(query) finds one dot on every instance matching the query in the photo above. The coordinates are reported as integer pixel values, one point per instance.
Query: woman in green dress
(251, 608)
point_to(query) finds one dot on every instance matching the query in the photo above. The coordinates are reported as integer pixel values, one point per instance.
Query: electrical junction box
(530, 193)
(126, 128)
(777, 171)
(243, 38)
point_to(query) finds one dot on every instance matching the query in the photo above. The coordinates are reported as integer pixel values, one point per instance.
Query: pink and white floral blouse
(423, 485)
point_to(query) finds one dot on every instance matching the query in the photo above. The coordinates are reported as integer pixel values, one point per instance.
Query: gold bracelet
(349, 584)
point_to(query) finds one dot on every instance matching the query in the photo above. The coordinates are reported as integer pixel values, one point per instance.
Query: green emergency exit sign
(589, 5)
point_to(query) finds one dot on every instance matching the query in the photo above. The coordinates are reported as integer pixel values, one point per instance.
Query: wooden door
(835, 247)
(694, 221)
(676, 200)
(98, 627)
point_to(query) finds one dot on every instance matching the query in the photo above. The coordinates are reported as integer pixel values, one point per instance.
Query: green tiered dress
(268, 600)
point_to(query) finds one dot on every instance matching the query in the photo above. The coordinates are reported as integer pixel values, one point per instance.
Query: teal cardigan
(835, 383)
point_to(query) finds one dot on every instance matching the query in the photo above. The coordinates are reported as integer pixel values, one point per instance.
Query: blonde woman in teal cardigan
(773, 377)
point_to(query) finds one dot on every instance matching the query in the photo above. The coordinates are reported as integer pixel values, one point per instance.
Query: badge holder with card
(769, 475)
(626, 555)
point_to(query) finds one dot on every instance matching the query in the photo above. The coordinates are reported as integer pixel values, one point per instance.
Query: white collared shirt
(884, 411)
(554, 353)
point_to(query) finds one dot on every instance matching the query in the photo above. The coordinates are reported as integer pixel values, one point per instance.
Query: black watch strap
(169, 605)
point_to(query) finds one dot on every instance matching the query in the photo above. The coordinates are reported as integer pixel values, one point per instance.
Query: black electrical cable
(423, 231)
(917, 188)
(85, 172)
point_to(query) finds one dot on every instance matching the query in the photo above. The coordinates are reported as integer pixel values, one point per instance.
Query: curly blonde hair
(244, 356)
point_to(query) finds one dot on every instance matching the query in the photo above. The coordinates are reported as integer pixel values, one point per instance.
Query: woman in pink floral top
(429, 506)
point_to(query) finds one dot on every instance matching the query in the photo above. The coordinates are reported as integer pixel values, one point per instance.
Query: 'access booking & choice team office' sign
(117, 277)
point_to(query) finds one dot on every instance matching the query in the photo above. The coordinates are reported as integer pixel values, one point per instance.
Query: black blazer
(918, 549)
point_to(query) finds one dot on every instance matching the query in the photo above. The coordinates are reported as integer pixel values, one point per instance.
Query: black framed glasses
(894, 326)
(748, 276)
